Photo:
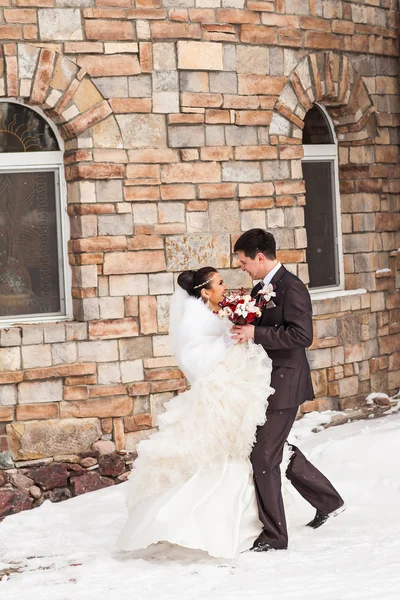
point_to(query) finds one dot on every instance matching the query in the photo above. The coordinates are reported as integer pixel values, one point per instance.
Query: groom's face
(255, 267)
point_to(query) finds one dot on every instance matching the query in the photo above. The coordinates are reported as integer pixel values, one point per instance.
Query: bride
(192, 483)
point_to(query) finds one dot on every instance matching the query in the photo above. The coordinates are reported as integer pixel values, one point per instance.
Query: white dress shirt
(269, 276)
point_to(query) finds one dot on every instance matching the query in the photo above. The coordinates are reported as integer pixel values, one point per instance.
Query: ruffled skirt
(192, 482)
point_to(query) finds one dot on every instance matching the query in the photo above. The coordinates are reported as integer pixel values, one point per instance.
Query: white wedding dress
(192, 483)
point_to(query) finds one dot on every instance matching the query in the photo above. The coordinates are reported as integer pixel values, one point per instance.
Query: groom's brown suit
(285, 331)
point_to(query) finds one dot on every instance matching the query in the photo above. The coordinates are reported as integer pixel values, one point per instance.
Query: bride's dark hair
(194, 281)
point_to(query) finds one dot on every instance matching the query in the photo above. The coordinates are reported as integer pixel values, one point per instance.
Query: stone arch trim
(42, 77)
(330, 79)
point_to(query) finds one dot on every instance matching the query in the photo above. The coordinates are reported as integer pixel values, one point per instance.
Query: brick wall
(182, 122)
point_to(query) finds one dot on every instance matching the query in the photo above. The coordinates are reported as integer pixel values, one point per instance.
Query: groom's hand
(242, 333)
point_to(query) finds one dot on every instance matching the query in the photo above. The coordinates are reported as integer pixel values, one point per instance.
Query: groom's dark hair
(253, 241)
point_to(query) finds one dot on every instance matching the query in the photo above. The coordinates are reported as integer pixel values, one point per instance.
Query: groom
(285, 331)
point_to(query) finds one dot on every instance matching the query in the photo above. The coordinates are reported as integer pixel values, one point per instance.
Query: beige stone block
(10, 336)
(279, 125)
(64, 72)
(191, 173)
(224, 216)
(161, 283)
(202, 56)
(300, 236)
(54, 333)
(27, 59)
(112, 308)
(276, 169)
(115, 224)
(163, 304)
(106, 134)
(70, 113)
(86, 309)
(252, 218)
(56, 24)
(109, 191)
(165, 102)
(348, 386)
(164, 58)
(10, 359)
(36, 356)
(193, 251)
(143, 130)
(76, 331)
(319, 359)
(194, 81)
(145, 214)
(165, 81)
(32, 392)
(128, 285)
(243, 171)
(84, 276)
(121, 48)
(39, 439)
(112, 87)
(8, 395)
(253, 59)
(161, 345)
(86, 96)
(143, 30)
(224, 82)
(135, 348)
(377, 301)
(65, 352)
(171, 212)
(275, 217)
(109, 373)
(186, 137)
(98, 351)
(197, 222)
(139, 86)
(241, 136)
(132, 370)
(118, 263)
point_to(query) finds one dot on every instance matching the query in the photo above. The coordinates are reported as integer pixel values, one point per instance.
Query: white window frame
(13, 162)
(329, 153)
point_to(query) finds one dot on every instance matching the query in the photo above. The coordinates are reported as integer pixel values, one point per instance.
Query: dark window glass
(316, 128)
(29, 261)
(23, 130)
(320, 221)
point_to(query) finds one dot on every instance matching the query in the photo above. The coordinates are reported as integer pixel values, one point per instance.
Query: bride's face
(216, 290)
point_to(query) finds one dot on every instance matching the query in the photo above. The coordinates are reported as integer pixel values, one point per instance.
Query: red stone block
(104, 29)
(113, 328)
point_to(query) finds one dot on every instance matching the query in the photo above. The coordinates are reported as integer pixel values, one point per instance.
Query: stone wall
(182, 122)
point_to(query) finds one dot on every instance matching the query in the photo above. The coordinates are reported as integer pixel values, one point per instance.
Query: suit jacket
(285, 331)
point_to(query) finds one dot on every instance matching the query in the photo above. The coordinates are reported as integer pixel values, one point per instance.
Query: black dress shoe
(321, 518)
(261, 547)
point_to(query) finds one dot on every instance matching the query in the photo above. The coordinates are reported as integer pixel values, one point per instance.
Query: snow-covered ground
(65, 551)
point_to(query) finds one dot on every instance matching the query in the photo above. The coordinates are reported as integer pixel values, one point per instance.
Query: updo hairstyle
(195, 281)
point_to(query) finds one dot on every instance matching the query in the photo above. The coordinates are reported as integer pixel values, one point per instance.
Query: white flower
(225, 312)
(267, 292)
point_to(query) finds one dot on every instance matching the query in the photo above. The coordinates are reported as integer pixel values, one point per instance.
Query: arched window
(322, 210)
(33, 235)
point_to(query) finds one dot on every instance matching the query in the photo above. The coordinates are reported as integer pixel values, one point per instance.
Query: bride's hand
(242, 333)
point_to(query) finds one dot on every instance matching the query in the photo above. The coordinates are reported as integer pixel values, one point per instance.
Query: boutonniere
(267, 292)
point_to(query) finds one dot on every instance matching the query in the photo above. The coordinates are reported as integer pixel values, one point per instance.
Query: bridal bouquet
(242, 309)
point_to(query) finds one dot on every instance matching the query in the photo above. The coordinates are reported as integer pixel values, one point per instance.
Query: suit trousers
(266, 458)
